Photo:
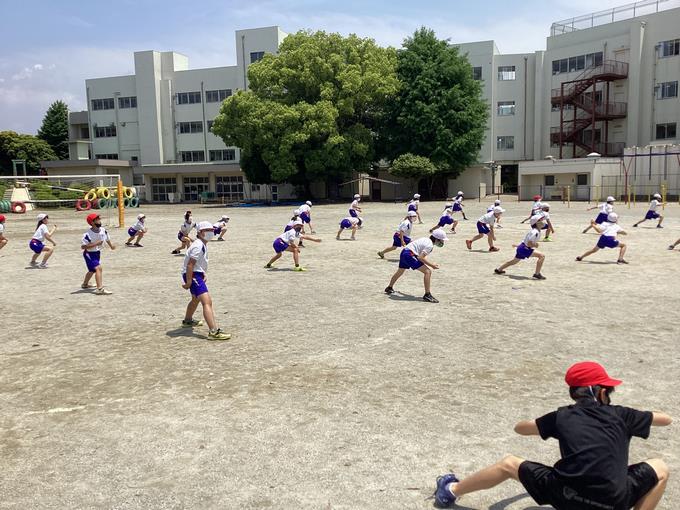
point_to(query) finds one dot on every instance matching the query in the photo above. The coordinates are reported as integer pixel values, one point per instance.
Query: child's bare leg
(476, 238)
(650, 500)
(508, 264)
(3, 242)
(392, 248)
(296, 255)
(489, 477)
(130, 239)
(98, 277)
(396, 276)
(622, 250)
(454, 225)
(337, 236)
(427, 277)
(354, 231)
(191, 308)
(88, 277)
(489, 238)
(274, 259)
(539, 262)
(48, 253)
(589, 252)
(660, 221)
(208, 313)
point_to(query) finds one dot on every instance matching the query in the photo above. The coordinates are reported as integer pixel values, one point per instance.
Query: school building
(604, 82)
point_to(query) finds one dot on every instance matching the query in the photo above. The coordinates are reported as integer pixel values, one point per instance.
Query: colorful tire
(104, 203)
(5, 206)
(83, 205)
(126, 202)
(90, 195)
(103, 193)
(18, 207)
(134, 202)
(96, 203)
(127, 193)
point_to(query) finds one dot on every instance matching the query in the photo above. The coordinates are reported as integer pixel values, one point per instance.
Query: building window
(192, 156)
(191, 127)
(256, 56)
(549, 180)
(577, 63)
(106, 156)
(85, 133)
(161, 186)
(104, 131)
(210, 125)
(582, 179)
(505, 108)
(102, 104)
(665, 131)
(223, 155)
(505, 143)
(506, 73)
(669, 48)
(556, 107)
(194, 186)
(188, 97)
(217, 96)
(229, 187)
(127, 102)
(477, 73)
(667, 89)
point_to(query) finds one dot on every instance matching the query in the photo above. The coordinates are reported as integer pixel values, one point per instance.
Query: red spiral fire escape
(589, 107)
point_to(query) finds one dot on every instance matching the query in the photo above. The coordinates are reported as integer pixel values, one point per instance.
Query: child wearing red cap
(594, 439)
(92, 243)
(535, 208)
(3, 239)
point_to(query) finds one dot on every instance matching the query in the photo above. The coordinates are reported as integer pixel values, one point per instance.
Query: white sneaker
(43, 265)
(103, 292)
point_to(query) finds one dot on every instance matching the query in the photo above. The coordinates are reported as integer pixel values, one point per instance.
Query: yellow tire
(127, 193)
(103, 193)
(90, 195)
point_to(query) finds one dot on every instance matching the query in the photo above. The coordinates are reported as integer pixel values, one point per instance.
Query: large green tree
(54, 128)
(439, 112)
(27, 147)
(312, 111)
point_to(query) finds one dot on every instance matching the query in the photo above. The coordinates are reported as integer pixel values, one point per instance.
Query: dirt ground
(330, 394)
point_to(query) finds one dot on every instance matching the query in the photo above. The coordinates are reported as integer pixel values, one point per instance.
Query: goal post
(104, 194)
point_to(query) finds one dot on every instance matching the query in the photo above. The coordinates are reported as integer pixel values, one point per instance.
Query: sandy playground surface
(330, 393)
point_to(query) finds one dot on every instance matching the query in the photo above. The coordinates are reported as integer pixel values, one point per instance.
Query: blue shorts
(280, 245)
(353, 213)
(601, 218)
(217, 230)
(181, 235)
(408, 260)
(523, 252)
(457, 208)
(413, 208)
(483, 228)
(36, 246)
(607, 242)
(445, 220)
(305, 217)
(92, 260)
(396, 240)
(132, 232)
(652, 215)
(345, 224)
(288, 227)
(198, 285)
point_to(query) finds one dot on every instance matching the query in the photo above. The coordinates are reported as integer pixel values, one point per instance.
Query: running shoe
(43, 265)
(468, 243)
(493, 248)
(88, 286)
(430, 298)
(103, 292)
(621, 261)
(137, 245)
(192, 323)
(443, 498)
(299, 269)
(175, 252)
(382, 255)
(389, 290)
(498, 271)
(539, 276)
(218, 334)
(659, 226)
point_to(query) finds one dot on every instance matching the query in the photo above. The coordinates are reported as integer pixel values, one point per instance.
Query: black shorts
(544, 485)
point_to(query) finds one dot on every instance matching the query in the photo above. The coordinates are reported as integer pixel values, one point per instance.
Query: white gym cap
(611, 199)
(411, 214)
(439, 234)
(297, 222)
(141, 216)
(656, 195)
(204, 225)
(357, 196)
(612, 217)
(545, 205)
(42, 216)
(536, 218)
(225, 217)
(296, 212)
(498, 210)
(308, 203)
(497, 202)
(461, 193)
(416, 196)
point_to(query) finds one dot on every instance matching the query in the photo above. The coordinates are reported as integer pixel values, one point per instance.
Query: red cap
(91, 218)
(2, 218)
(537, 197)
(589, 373)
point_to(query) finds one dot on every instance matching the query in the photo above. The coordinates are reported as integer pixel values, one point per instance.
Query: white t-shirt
(405, 227)
(488, 219)
(199, 252)
(414, 202)
(91, 237)
(653, 205)
(458, 199)
(290, 236)
(611, 229)
(532, 237)
(536, 207)
(420, 247)
(40, 232)
(187, 227)
(139, 226)
(545, 215)
(355, 204)
(304, 208)
(2, 229)
(606, 208)
(220, 224)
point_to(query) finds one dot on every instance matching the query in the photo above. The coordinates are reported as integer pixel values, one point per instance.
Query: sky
(47, 57)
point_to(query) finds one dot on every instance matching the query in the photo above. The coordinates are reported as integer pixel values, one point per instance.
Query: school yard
(330, 394)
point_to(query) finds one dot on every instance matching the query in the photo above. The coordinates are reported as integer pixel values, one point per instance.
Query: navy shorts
(345, 224)
(546, 487)
(408, 260)
(198, 285)
(92, 260)
(523, 252)
(483, 228)
(353, 213)
(36, 246)
(601, 218)
(396, 240)
(217, 230)
(305, 217)
(132, 232)
(445, 220)
(607, 242)
(413, 207)
(457, 208)
(280, 245)
(652, 215)
(181, 235)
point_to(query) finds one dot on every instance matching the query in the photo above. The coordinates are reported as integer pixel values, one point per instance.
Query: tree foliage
(27, 147)
(312, 111)
(54, 128)
(411, 166)
(439, 112)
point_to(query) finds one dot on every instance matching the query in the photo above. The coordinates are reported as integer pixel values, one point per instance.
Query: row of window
(211, 96)
(669, 48)
(214, 155)
(104, 131)
(578, 63)
(108, 104)
(194, 126)
(666, 131)
(667, 89)
(505, 73)
(106, 156)
(227, 186)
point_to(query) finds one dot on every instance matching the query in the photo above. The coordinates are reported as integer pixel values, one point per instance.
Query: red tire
(18, 208)
(83, 205)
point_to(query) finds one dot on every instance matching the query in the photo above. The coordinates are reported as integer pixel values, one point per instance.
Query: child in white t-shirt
(413, 205)
(605, 210)
(348, 223)
(183, 234)
(286, 242)
(137, 231)
(37, 243)
(403, 234)
(92, 243)
(527, 249)
(485, 227)
(651, 213)
(535, 208)
(608, 232)
(220, 228)
(354, 209)
(3, 239)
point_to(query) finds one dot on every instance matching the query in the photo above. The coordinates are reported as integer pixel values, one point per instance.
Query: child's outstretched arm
(527, 428)
(661, 419)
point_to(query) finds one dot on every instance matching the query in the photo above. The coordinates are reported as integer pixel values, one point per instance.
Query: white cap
(308, 203)
(357, 196)
(42, 216)
(545, 205)
(612, 217)
(439, 234)
(416, 196)
(656, 195)
(204, 225)
(461, 193)
(297, 222)
(611, 199)
(497, 202)
(536, 218)
(296, 212)
(141, 216)
(411, 214)
(225, 217)
(498, 210)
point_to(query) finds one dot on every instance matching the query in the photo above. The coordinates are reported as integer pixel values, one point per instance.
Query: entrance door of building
(194, 186)
(376, 191)
(509, 178)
